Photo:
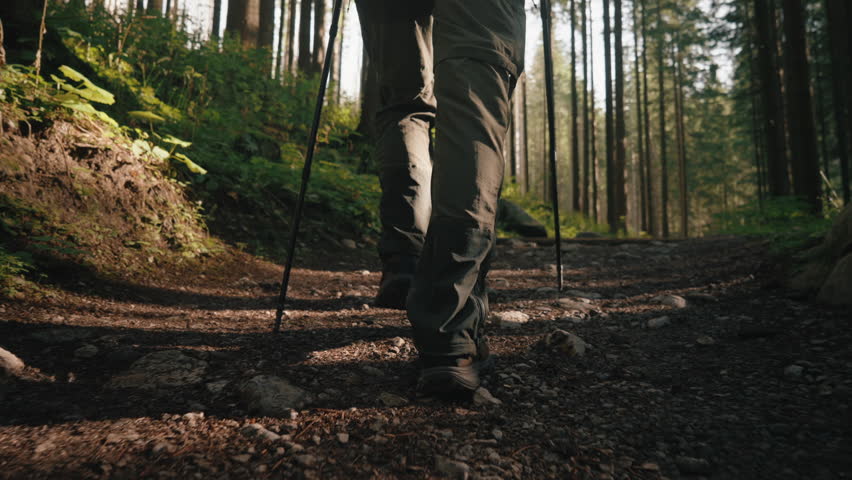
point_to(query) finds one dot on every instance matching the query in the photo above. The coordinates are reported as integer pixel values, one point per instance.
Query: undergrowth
(570, 223)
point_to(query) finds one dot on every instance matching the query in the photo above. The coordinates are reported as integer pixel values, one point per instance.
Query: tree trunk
(664, 168)
(776, 150)
(838, 14)
(643, 190)
(575, 133)
(305, 59)
(318, 55)
(800, 117)
(279, 51)
(217, 19)
(584, 196)
(155, 7)
(244, 21)
(338, 59)
(266, 24)
(612, 219)
(525, 186)
(649, 183)
(681, 140)
(620, 164)
(289, 63)
(593, 200)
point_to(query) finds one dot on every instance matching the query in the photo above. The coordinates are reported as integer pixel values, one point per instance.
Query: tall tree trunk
(338, 59)
(155, 7)
(305, 59)
(279, 51)
(217, 19)
(266, 25)
(664, 167)
(593, 200)
(318, 56)
(525, 148)
(575, 133)
(290, 62)
(244, 21)
(754, 89)
(805, 156)
(643, 189)
(776, 149)
(649, 178)
(611, 216)
(584, 196)
(681, 140)
(838, 14)
(620, 164)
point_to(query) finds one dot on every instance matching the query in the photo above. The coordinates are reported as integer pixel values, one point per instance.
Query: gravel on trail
(180, 377)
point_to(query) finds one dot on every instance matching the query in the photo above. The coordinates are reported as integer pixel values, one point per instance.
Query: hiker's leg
(479, 51)
(398, 39)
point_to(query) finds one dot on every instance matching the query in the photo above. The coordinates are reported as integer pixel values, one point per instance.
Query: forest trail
(730, 378)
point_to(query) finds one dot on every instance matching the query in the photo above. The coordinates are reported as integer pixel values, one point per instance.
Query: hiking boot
(397, 276)
(454, 375)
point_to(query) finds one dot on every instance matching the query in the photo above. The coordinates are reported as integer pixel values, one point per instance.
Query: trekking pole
(309, 157)
(551, 128)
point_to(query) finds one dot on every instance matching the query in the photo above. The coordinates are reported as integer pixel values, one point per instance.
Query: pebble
(391, 400)
(343, 437)
(675, 301)
(705, 340)
(244, 458)
(510, 319)
(86, 351)
(692, 465)
(497, 434)
(10, 364)
(483, 397)
(306, 460)
(272, 396)
(452, 468)
(372, 371)
(216, 387)
(566, 343)
(659, 322)
(794, 372)
(259, 431)
(193, 417)
(349, 243)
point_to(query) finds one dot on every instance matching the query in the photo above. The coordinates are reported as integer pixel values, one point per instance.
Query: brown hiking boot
(454, 375)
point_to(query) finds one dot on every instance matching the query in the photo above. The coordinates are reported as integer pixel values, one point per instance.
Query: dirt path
(741, 383)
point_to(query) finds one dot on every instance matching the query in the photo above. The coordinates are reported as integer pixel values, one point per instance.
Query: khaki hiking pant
(451, 64)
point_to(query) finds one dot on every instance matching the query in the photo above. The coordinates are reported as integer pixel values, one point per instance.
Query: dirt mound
(78, 190)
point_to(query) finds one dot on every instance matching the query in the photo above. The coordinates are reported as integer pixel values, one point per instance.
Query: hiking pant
(451, 64)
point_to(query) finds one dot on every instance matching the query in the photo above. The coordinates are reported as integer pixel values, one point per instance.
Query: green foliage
(570, 224)
(12, 268)
(786, 221)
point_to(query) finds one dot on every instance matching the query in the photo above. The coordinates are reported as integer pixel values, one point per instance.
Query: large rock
(10, 364)
(837, 288)
(163, 369)
(828, 266)
(272, 396)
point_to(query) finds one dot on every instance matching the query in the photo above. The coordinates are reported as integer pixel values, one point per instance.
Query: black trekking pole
(309, 158)
(551, 128)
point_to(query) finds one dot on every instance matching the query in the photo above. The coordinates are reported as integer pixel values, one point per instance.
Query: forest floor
(743, 381)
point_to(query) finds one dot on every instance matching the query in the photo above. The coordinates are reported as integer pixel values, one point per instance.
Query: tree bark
(244, 21)
(612, 219)
(279, 54)
(155, 7)
(318, 54)
(593, 200)
(681, 140)
(620, 164)
(266, 24)
(643, 190)
(217, 19)
(338, 59)
(291, 37)
(584, 196)
(305, 58)
(649, 183)
(575, 133)
(776, 149)
(661, 75)
(525, 185)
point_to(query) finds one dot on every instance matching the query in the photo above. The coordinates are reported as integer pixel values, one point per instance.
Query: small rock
(349, 243)
(162, 369)
(497, 434)
(272, 396)
(675, 301)
(216, 387)
(306, 460)
(343, 437)
(193, 417)
(566, 343)
(452, 468)
(86, 351)
(128, 436)
(483, 397)
(245, 283)
(372, 371)
(364, 272)
(257, 430)
(692, 465)
(659, 322)
(398, 342)
(161, 446)
(510, 319)
(794, 372)
(244, 458)
(391, 400)
(10, 364)
(705, 340)
(45, 446)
